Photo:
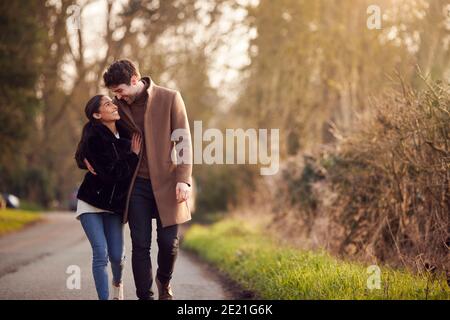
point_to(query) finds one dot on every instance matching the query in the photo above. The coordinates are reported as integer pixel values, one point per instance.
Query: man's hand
(89, 167)
(183, 191)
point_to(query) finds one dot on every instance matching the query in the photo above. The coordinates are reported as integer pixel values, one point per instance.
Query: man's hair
(120, 72)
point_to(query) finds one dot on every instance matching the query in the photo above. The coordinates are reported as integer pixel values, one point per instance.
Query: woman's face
(108, 111)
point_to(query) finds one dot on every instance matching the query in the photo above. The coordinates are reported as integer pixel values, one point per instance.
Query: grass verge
(13, 220)
(259, 264)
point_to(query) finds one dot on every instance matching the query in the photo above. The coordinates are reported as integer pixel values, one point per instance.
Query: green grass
(271, 271)
(12, 220)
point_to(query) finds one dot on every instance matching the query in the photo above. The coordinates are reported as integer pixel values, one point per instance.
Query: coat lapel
(125, 112)
(148, 123)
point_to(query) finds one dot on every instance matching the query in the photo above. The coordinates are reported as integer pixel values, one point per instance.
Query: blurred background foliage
(363, 114)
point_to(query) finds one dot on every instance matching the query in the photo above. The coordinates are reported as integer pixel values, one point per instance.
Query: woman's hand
(89, 167)
(136, 143)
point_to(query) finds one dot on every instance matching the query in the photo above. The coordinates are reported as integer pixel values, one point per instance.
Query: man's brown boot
(164, 290)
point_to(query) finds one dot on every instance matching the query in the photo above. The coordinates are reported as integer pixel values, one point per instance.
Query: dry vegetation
(383, 193)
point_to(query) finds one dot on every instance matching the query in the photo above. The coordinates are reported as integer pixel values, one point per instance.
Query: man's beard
(130, 99)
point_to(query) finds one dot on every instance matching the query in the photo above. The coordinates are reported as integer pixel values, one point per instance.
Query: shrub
(383, 191)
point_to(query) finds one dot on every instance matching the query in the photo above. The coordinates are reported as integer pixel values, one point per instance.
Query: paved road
(34, 261)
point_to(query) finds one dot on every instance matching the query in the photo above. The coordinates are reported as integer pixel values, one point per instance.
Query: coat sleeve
(180, 123)
(81, 165)
(106, 164)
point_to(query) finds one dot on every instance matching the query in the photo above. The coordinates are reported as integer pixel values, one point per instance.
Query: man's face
(126, 92)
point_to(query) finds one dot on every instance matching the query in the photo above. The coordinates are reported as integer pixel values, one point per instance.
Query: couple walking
(126, 147)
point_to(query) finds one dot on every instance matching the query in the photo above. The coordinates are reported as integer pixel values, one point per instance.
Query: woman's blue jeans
(105, 233)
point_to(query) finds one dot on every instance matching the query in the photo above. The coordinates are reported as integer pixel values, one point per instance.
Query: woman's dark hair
(120, 72)
(92, 106)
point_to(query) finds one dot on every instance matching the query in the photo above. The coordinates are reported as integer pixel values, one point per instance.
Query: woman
(101, 197)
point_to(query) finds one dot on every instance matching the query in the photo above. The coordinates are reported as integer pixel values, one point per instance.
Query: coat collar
(103, 131)
(126, 111)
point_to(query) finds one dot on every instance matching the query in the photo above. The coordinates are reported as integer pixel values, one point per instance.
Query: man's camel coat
(165, 112)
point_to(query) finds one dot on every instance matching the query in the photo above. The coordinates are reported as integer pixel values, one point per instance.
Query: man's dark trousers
(142, 209)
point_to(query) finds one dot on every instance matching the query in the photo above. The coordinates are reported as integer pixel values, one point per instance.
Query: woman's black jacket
(114, 164)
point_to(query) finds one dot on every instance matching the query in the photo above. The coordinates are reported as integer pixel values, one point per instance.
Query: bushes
(220, 188)
(396, 167)
(384, 191)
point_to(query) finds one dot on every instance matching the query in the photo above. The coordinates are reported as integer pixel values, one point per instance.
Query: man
(160, 188)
